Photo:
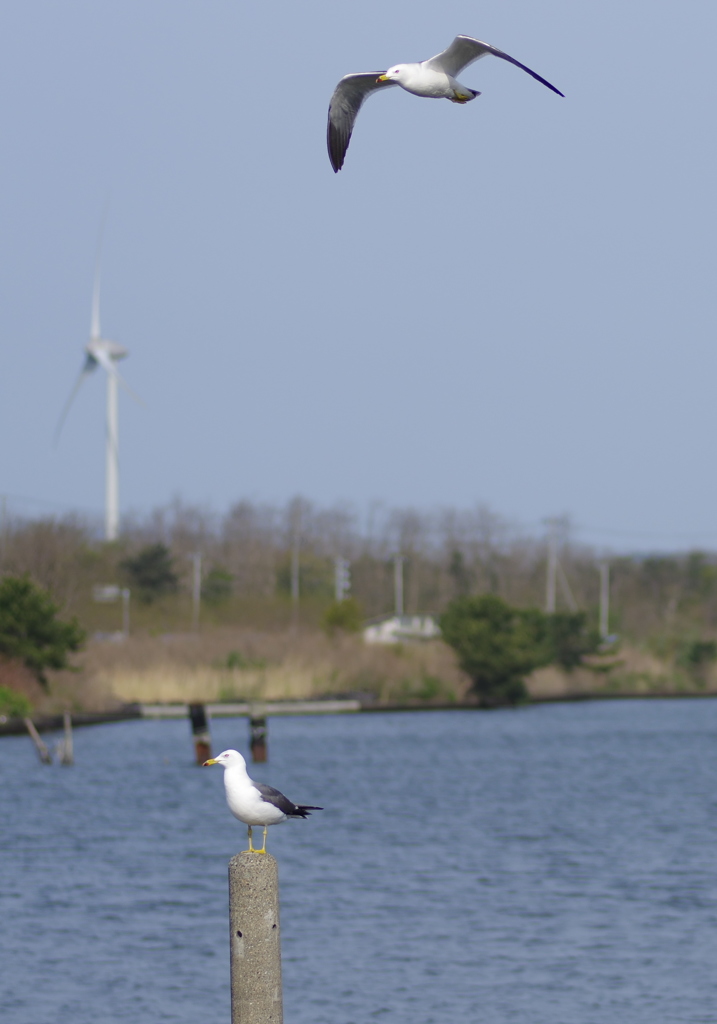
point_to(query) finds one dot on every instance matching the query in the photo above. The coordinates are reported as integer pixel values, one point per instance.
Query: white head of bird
(227, 759)
(393, 74)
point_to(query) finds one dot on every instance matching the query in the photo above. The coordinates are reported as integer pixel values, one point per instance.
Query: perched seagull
(434, 78)
(253, 802)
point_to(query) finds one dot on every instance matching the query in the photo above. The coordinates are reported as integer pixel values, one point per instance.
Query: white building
(401, 628)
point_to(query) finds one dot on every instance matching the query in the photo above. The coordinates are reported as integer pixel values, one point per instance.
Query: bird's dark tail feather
(302, 810)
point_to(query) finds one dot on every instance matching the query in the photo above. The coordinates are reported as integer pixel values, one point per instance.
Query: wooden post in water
(67, 755)
(255, 943)
(42, 752)
(200, 733)
(257, 733)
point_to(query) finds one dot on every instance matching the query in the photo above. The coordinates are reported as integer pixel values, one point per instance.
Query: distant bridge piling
(258, 733)
(255, 942)
(200, 733)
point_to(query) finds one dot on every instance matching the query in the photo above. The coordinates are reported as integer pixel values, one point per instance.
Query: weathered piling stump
(42, 752)
(255, 944)
(200, 733)
(257, 733)
(66, 751)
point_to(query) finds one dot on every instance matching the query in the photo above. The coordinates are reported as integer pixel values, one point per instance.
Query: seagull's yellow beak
(212, 760)
(382, 78)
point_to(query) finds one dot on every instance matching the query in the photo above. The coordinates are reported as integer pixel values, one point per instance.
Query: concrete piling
(255, 943)
(200, 733)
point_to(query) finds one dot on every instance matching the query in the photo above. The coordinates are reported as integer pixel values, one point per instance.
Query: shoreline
(234, 709)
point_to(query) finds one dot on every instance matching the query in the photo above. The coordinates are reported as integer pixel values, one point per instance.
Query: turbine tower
(102, 352)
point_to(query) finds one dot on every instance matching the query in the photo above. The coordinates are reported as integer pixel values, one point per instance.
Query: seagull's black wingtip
(337, 152)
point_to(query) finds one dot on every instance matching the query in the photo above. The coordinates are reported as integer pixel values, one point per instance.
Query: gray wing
(273, 796)
(464, 50)
(346, 102)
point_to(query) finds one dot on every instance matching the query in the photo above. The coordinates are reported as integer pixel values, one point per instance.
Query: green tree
(151, 572)
(30, 629)
(497, 645)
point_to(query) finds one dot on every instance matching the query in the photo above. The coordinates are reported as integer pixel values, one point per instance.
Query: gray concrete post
(255, 944)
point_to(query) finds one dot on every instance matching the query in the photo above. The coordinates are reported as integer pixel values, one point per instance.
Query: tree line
(251, 554)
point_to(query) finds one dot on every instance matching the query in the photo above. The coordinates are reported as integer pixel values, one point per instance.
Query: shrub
(30, 629)
(497, 645)
(694, 656)
(235, 659)
(151, 573)
(13, 704)
(345, 616)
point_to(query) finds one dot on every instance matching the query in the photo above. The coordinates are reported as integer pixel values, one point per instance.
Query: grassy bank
(226, 664)
(235, 664)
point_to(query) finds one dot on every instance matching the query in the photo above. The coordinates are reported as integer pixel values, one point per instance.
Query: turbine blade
(89, 366)
(95, 322)
(129, 390)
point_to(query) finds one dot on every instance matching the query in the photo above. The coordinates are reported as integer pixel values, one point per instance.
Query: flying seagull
(253, 802)
(434, 78)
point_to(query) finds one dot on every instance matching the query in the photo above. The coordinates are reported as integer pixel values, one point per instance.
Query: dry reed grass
(231, 664)
(285, 665)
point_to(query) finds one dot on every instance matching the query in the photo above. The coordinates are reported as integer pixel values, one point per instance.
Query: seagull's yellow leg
(263, 849)
(251, 845)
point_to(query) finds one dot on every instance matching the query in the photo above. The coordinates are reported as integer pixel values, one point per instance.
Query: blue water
(549, 865)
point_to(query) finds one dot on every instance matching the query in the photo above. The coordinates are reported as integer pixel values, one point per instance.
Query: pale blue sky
(510, 302)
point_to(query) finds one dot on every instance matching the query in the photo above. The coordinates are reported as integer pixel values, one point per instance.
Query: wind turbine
(102, 352)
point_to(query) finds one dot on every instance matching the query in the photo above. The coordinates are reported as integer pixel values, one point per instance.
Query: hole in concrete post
(239, 935)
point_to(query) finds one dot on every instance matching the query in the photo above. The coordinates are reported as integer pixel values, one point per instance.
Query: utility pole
(196, 588)
(557, 530)
(295, 548)
(552, 573)
(565, 587)
(398, 585)
(342, 579)
(295, 523)
(125, 594)
(604, 569)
